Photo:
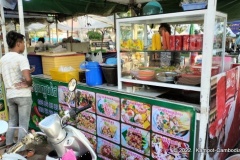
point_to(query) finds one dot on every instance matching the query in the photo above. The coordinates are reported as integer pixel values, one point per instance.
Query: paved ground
(41, 149)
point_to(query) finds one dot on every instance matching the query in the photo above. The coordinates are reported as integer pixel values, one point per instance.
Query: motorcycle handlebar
(74, 112)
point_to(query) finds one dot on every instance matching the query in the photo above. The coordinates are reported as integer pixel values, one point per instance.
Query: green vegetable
(100, 108)
(131, 119)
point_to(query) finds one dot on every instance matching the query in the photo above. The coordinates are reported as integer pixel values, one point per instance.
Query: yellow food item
(154, 47)
(138, 57)
(165, 126)
(130, 44)
(113, 129)
(137, 54)
(114, 106)
(130, 106)
(140, 44)
(148, 113)
(156, 42)
(144, 117)
(146, 124)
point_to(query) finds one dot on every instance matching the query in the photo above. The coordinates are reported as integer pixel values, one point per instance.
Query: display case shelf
(179, 17)
(160, 84)
(197, 16)
(159, 51)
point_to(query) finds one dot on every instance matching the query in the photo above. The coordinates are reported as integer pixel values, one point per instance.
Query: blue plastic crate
(194, 6)
(36, 60)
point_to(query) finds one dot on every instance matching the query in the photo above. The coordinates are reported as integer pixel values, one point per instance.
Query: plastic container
(49, 62)
(194, 6)
(36, 61)
(93, 73)
(197, 70)
(110, 75)
(82, 77)
(64, 76)
(152, 7)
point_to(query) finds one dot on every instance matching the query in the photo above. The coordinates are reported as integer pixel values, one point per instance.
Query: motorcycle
(63, 138)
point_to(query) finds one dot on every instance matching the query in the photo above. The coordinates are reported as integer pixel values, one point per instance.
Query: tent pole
(49, 34)
(21, 22)
(56, 28)
(114, 26)
(72, 28)
(3, 31)
(72, 36)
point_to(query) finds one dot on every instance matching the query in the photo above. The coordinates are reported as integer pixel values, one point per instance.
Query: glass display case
(145, 60)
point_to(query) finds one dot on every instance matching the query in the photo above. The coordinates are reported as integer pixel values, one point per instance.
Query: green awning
(106, 8)
(73, 7)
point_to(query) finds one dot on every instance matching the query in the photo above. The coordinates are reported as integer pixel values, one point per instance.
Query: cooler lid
(92, 64)
(111, 61)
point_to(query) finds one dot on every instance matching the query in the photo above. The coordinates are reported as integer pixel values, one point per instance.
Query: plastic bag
(69, 155)
(65, 69)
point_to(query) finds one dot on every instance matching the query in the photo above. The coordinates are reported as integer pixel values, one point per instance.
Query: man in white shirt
(15, 70)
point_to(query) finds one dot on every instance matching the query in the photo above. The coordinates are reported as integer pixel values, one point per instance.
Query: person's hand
(32, 69)
(22, 84)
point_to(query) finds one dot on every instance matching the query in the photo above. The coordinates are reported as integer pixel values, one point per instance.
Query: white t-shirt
(11, 66)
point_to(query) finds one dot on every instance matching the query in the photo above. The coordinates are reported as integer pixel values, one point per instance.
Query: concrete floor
(42, 149)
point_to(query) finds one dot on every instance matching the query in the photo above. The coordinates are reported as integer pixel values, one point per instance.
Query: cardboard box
(83, 47)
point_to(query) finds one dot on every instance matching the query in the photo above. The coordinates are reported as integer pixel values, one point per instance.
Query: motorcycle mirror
(4, 126)
(72, 84)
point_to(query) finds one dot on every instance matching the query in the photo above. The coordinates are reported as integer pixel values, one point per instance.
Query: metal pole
(3, 31)
(72, 36)
(209, 23)
(114, 27)
(49, 34)
(72, 28)
(56, 27)
(21, 22)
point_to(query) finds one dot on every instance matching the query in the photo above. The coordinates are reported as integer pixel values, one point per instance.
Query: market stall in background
(153, 96)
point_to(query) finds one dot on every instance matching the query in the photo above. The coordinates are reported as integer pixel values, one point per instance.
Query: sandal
(27, 153)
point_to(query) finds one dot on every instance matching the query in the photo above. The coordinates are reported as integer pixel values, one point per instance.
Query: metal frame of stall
(208, 41)
(207, 63)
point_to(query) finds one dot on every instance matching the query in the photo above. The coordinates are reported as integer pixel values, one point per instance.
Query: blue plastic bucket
(93, 73)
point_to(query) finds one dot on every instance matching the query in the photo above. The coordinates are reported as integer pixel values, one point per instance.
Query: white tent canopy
(8, 4)
(86, 22)
(93, 21)
(63, 26)
(36, 26)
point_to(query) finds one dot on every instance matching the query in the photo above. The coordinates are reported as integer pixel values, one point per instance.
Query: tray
(188, 79)
(194, 6)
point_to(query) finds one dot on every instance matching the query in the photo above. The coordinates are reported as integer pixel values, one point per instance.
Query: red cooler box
(192, 43)
(199, 42)
(186, 40)
(178, 42)
(172, 43)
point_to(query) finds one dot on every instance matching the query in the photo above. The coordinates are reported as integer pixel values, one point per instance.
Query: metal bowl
(166, 76)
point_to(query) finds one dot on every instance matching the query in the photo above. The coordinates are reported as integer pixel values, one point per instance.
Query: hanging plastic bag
(69, 155)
